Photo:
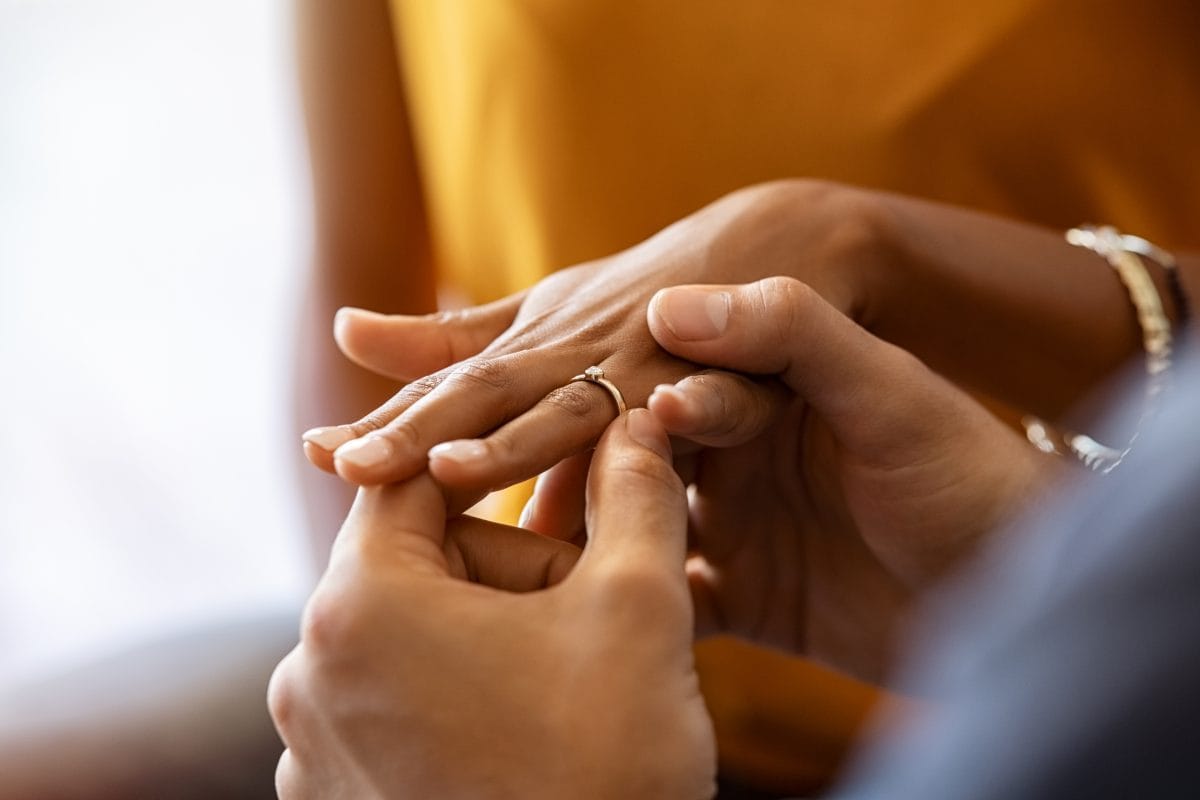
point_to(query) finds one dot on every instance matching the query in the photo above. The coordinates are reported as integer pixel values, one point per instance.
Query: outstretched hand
(490, 400)
(473, 659)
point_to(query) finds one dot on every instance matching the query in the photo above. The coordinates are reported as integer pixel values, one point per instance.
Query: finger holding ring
(596, 375)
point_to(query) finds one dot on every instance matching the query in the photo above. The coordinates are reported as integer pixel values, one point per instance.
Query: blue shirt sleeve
(1068, 664)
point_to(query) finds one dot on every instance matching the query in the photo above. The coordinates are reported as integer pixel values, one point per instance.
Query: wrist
(875, 256)
(1003, 307)
(840, 240)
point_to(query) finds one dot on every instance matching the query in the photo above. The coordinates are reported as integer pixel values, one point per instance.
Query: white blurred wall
(153, 228)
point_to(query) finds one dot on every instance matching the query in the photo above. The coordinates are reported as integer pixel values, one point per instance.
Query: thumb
(636, 506)
(406, 347)
(861, 386)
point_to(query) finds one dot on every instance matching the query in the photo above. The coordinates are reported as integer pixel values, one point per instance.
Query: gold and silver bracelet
(1123, 253)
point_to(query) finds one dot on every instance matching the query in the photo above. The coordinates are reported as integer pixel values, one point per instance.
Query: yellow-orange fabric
(550, 133)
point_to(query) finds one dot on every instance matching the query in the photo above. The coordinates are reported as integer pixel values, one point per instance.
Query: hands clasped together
(830, 478)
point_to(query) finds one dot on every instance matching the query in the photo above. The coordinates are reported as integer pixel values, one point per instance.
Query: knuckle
(785, 303)
(402, 429)
(638, 589)
(289, 783)
(596, 331)
(448, 318)
(458, 329)
(399, 429)
(726, 407)
(784, 292)
(642, 472)
(491, 374)
(576, 400)
(281, 697)
(384, 416)
(411, 393)
(417, 389)
(332, 626)
(810, 191)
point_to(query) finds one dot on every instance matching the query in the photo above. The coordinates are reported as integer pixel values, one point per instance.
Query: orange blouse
(550, 133)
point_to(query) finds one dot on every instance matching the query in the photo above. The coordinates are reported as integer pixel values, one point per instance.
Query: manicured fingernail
(461, 451)
(340, 320)
(344, 317)
(694, 314)
(643, 429)
(327, 438)
(369, 451)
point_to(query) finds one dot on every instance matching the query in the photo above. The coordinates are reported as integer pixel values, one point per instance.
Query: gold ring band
(596, 375)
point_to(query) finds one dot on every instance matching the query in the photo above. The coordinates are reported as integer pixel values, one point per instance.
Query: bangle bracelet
(1122, 254)
(1138, 245)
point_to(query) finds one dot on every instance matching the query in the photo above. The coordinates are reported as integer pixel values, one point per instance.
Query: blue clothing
(1069, 666)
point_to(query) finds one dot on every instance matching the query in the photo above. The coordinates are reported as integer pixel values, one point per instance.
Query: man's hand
(480, 661)
(815, 531)
(839, 482)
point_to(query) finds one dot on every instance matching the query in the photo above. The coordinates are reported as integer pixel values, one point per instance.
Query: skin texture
(464, 661)
(505, 368)
(858, 482)
(979, 299)
(456, 660)
(927, 277)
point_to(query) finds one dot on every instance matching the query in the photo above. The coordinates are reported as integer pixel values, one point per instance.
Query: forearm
(1006, 308)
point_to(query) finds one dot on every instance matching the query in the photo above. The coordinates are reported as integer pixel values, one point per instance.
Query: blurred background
(154, 228)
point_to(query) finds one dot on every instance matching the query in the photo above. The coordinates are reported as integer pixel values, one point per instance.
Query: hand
(527, 682)
(927, 277)
(501, 371)
(816, 532)
(818, 520)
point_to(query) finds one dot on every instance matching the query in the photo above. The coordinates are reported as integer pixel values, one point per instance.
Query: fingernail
(340, 320)
(369, 451)
(645, 430)
(329, 438)
(461, 451)
(527, 511)
(344, 316)
(694, 314)
(666, 390)
(686, 398)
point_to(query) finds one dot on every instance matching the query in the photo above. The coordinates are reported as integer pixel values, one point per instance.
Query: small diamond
(594, 373)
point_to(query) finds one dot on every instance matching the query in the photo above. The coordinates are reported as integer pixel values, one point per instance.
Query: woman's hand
(483, 661)
(491, 385)
(819, 517)
(980, 299)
